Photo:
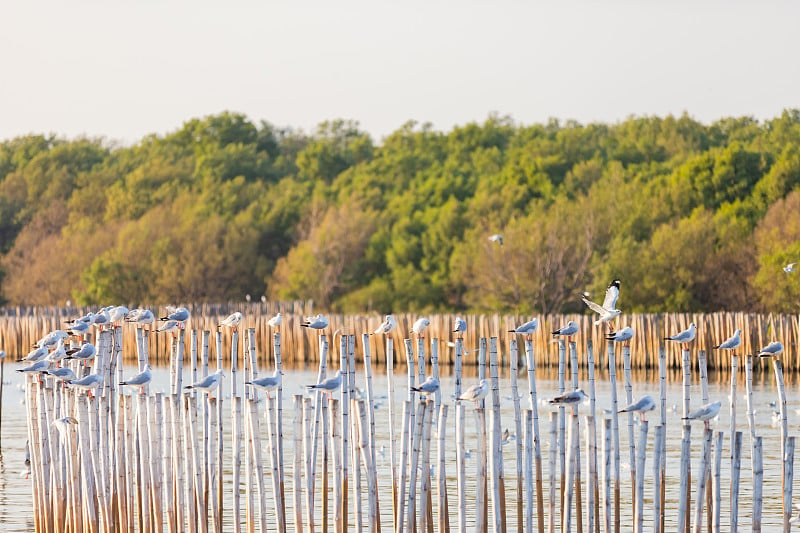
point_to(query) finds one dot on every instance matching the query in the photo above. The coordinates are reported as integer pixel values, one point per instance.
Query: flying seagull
(496, 238)
(791, 267)
(608, 311)
(732, 343)
(684, 337)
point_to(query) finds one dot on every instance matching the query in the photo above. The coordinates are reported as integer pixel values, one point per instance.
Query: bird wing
(593, 306)
(612, 293)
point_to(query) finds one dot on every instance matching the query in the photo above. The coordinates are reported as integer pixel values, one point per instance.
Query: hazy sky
(119, 70)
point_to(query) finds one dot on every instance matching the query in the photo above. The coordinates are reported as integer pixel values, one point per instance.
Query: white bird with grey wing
(140, 380)
(267, 383)
(64, 374)
(315, 322)
(496, 238)
(732, 343)
(37, 354)
(84, 353)
(567, 331)
(231, 321)
(608, 311)
(275, 321)
(92, 381)
(527, 328)
(475, 393)
(429, 386)
(328, 385)
(35, 368)
(208, 383)
(641, 406)
(388, 324)
(420, 325)
(569, 398)
(706, 412)
(460, 325)
(624, 335)
(772, 349)
(684, 337)
(52, 338)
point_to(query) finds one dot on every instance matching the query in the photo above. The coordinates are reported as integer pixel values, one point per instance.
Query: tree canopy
(691, 217)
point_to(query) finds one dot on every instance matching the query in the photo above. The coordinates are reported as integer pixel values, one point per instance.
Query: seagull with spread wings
(608, 311)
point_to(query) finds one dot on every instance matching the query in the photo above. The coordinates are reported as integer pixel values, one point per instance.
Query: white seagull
(496, 238)
(118, 314)
(460, 325)
(641, 406)
(52, 338)
(209, 383)
(232, 320)
(329, 384)
(771, 350)
(684, 337)
(88, 318)
(180, 315)
(64, 374)
(275, 321)
(85, 352)
(78, 328)
(89, 382)
(37, 354)
(315, 322)
(169, 326)
(101, 318)
(388, 324)
(139, 380)
(732, 343)
(141, 316)
(267, 383)
(791, 267)
(569, 398)
(527, 328)
(567, 331)
(608, 311)
(62, 424)
(420, 325)
(476, 392)
(706, 412)
(623, 335)
(59, 353)
(429, 386)
(38, 366)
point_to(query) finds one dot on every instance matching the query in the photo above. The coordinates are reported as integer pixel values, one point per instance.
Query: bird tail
(625, 410)
(123, 382)
(717, 347)
(512, 331)
(415, 389)
(248, 382)
(164, 318)
(19, 370)
(667, 338)
(189, 387)
(303, 325)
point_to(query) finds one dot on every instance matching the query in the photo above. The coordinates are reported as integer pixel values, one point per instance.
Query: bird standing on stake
(429, 386)
(460, 326)
(608, 311)
(388, 324)
(772, 349)
(232, 321)
(624, 335)
(208, 383)
(318, 322)
(275, 321)
(567, 331)
(526, 329)
(732, 343)
(641, 406)
(267, 383)
(706, 412)
(64, 374)
(420, 325)
(179, 315)
(475, 393)
(569, 398)
(139, 380)
(684, 337)
(328, 385)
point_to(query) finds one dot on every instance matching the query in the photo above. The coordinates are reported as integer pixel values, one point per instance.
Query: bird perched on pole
(684, 337)
(641, 406)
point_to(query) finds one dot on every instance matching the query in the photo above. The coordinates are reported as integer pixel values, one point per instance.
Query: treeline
(690, 217)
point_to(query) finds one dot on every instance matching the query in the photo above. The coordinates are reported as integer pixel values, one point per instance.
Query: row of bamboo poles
(110, 461)
(19, 329)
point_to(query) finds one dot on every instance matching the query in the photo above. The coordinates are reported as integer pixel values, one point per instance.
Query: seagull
(62, 424)
(429, 386)
(263, 299)
(732, 343)
(169, 326)
(569, 398)
(624, 335)
(101, 318)
(420, 325)
(141, 316)
(59, 353)
(208, 383)
(791, 267)
(64, 374)
(771, 350)
(608, 310)
(2, 354)
(85, 352)
(89, 382)
(118, 314)
(37, 354)
(180, 315)
(388, 324)
(139, 380)
(476, 392)
(706, 412)
(78, 328)
(315, 322)
(328, 385)
(684, 337)
(275, 321)
(496, 238)
(232, 321)
(52, 338)
(527, 328)
(642, 405)
(38, 366)
(508, 437)
(567, 331)
(460, 325)
(267, 383)
(88, 318)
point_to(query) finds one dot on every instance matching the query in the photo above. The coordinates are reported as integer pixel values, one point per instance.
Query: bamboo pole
(732, 496)
(606, 467)
(562, 356)
(236, 434)
(370, 413)
(307, 454)
(392, 441)
(788, 477)
(318, 399)
(369, 466)
(444, 522)
(480, 473)
(573, 353)
(705, 472)
(528, 471)
(337, 464)
(778, 366)
(640, 476)
(426, 461)
(297, 464)
(354, 437)
(612, 378)
(758, 477)
(460, 446)
(552, 471)
(591, 447)
(737, 457)
(657, 509)
(717, 484)
(537, 448)
(705, 460)
(566, 519)
(496, 445)
(345, 427)
(683, 504)
(626, 361)
(662, 486)
(415, 450)
(326, 451)
(514, 358)
(276, 350)
(404, 453)
(751, 421)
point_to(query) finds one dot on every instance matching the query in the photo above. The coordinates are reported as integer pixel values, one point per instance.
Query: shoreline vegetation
(691, 217)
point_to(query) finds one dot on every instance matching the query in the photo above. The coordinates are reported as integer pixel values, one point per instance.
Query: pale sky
(122, 70)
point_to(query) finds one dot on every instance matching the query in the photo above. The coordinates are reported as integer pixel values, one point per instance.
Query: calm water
(15, 490)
